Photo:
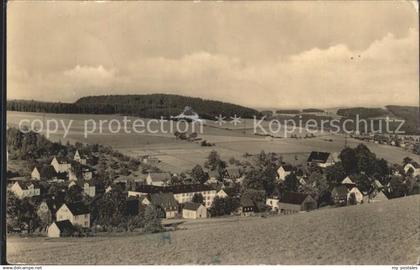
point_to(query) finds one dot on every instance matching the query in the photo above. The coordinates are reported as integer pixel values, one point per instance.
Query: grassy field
(380, 233)
(177, 156)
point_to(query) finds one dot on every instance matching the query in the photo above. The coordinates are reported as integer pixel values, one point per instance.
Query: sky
(293, 54)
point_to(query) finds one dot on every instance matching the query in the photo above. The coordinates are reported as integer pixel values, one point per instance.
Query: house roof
(380, 195)
(293, 197)
(176, 189)
(287, 167)
(233, 172)
(49, 172)
(318, 157)
(64, 225)
(247, 202)
(60, 160)
(230, 191)
(415, 164)
(340, 190)
(347, 180)
(163, 200)
(192, 206)
(214, 174)
(188, 188)
(160, 177)
(78, 208)
(82, 155)
(25, 184)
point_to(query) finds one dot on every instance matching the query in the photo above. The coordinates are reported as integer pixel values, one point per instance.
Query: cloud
(316, 60)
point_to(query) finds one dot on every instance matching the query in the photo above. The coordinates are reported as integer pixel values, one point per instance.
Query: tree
(223, 206)
(12, 211)
(74, 194)
(152, 222)
(263, 174)
(349, 160)
(363, 182)
(45, 218)
(198, 174)
(214, 161)
(335, 174)
(291, 183)
(198, 198)
(112, 209)
(255, 195)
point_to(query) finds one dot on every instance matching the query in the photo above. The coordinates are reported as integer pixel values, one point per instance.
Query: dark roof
(149, 189)
(26, 184)
(233, 172)
(318, 157)
(247, 202)
(230, 191)
(78, 208)
(158, 177)
(164, 200)
(340, 190)
(188, 188)
(49, 172)
(293, 197)
(64, 225)
(192, 206)
(173, 189)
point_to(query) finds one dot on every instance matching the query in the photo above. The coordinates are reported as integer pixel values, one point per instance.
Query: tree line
(149, 106)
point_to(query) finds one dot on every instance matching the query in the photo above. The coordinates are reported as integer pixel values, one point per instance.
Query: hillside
(365, 234)
(362, 112)
(150, 106)
(410, 114)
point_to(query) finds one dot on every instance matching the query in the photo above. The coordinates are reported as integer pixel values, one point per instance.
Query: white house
(60, 166)
(89, 189)
(35, 175)
(194, 211)
(76, 213)
(60, 228)
(273, 202)
(185, 193)
(358, 195)
(77, 157)
(284, 171)
(414, 167)
(25, 189)
(158, 179)
(72, 175)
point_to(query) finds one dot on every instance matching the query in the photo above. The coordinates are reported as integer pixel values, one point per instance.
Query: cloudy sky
(258, 54)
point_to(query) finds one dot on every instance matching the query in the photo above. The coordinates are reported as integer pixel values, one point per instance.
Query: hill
(149, 106)
(362, 112)
(410, 114)
(365, 234)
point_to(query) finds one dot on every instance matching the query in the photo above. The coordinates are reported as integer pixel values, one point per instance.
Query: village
(80, 190)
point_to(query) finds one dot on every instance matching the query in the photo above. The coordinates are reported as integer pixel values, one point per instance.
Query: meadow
(378, 233)
(177, 155)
